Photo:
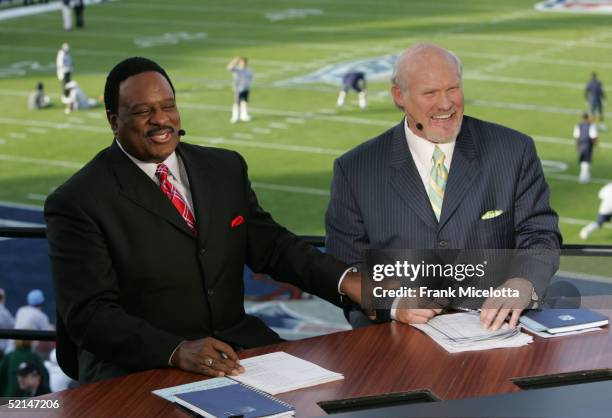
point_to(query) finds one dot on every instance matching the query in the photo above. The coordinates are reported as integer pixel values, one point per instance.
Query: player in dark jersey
(355, 80)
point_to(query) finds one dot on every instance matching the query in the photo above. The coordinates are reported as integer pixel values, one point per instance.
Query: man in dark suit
(149, 239)
(441, 180)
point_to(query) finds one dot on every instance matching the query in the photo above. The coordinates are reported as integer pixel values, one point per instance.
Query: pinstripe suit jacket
(378, 199)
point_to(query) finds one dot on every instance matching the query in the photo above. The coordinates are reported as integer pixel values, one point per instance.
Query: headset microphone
(418, 125)
(181, 132)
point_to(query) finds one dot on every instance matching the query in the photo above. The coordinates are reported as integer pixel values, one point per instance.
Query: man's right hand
(415, 316)
(207, 356)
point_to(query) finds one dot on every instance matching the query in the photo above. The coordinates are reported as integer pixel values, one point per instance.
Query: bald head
(420, 57)
(426, 84)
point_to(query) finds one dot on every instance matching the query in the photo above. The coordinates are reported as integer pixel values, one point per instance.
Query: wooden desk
(375, 360)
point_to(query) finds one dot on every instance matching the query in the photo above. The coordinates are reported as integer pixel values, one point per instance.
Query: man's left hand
(495, 310)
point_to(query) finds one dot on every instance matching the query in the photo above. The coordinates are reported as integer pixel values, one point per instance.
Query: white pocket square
(490, 214)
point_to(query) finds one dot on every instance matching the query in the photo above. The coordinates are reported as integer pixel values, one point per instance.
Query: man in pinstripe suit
(440, 180)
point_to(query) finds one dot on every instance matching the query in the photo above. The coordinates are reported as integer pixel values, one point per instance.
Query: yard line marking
(278, 125)
(266, 145)
(113, 54)
(469, 75)
(511, 60)
(564, 141)
(17, 12)
(537, 60)
(38, 130)
(298, 121)
(56, 163)
(53, 125)
(529, 107)
(241, 135)
(567, 177)
(36, 196)
(291, 189)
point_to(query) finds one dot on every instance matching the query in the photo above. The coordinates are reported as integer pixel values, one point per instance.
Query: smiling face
(147, 119)
(432, 92)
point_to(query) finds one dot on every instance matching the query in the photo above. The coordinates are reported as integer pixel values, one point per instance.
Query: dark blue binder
(233, 400)
(563, 320)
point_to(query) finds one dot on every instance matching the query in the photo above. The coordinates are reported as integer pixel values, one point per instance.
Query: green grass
(511, 55)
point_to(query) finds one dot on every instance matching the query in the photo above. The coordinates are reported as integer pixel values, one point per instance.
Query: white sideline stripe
(13, 205)
(294, 189)
(13, 223)
(584, 276)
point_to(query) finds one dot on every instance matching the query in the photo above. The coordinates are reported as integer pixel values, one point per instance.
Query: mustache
(160, 130)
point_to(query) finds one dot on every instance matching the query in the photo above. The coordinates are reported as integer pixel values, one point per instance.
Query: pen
(468, 310)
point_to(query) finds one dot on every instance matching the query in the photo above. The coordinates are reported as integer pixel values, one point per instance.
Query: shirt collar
(150, 168)
(422, 149)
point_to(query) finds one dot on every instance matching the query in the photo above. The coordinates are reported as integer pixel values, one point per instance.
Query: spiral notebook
(233, 399)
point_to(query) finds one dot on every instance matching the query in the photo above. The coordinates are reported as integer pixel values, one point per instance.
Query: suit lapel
(202, 189)
(136, 186)
(464, 169)
(406, 180)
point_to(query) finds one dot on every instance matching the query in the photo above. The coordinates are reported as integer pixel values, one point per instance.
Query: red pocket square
(237, 221)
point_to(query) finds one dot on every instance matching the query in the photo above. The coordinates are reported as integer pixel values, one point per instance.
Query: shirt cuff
(170, 359)
(393, 312)
(347, 271)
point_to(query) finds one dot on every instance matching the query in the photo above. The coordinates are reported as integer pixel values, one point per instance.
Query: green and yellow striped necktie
(437, 182)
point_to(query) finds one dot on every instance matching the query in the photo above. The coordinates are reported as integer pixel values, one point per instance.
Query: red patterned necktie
(175, 197)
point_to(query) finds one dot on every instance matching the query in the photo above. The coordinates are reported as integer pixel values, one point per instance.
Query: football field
(522, 68)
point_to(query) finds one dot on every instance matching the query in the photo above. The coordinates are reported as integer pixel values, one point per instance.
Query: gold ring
(209, 362)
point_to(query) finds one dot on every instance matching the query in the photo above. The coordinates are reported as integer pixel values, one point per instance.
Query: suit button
(443, 243)
(202, 251)
(210, 292)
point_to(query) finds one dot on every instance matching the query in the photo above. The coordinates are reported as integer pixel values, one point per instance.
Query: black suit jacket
(131, 281)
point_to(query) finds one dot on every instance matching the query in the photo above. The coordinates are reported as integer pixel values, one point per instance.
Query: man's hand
(416, 316)
(495, 310)
(207, 356)
(351, 286)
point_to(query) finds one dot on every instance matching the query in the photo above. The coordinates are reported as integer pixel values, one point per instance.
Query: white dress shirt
(177, 175)
(422, 153)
